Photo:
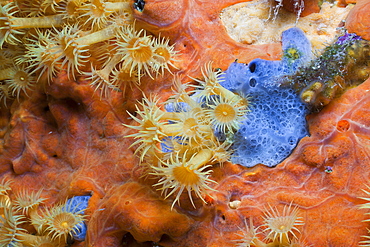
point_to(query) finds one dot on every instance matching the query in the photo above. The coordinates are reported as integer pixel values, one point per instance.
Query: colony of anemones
(281, 228)
(95, 39)
(26, 221)
(180, 145)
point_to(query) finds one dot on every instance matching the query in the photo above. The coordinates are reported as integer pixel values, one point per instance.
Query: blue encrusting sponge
(277, 119)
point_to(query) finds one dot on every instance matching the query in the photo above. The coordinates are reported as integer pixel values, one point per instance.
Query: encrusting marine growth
(25, 221)
(95, 39)
(175, 185)
(280, 228)
(342, 65)
(277, 118)
(195, 132)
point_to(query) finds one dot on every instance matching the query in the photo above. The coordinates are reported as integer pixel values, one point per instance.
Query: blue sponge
(277, 119)
(272, 129)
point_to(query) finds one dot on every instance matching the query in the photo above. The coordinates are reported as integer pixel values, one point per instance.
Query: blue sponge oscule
(277, 119)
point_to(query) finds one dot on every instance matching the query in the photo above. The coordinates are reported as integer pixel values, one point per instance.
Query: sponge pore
(277, 119)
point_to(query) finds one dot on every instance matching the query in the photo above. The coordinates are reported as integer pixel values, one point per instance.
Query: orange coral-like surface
(358, 20)
(69, 141)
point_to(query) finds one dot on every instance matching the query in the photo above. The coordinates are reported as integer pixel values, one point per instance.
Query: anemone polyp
(20, 80)
(71, 10)
(61, 221)
(180, 93)
(5, 186)
(69, 50)
(189, 127)
(123, 18)
(279, 226)
(25, 201)
(45, 241)
(137, 50)
(7, 31)
(248, 236)
(100, 79)
(42, 55)
(211, 76)
(11, 26)
(98, 13)
(164, 55)
(121, 77)
(221, 151)
(9, 222)
(210, 85)
(181, 174)
(6, 58)
(149, 129)
(37, 8)
(226, 114)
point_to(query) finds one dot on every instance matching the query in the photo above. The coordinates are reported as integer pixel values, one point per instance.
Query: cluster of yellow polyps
(180, 146)
(93, 38)
(280, 227)
(48, 227)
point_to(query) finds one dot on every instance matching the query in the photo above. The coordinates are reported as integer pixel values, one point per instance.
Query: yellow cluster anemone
(179, 174)
(280, 228)
(181, 144)
(9, 225)
(94, 39)
(26, 221)
(248, 236)
(149, 132)
(27, 202)
(4, 189)
(226, 114)
(60, 221)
